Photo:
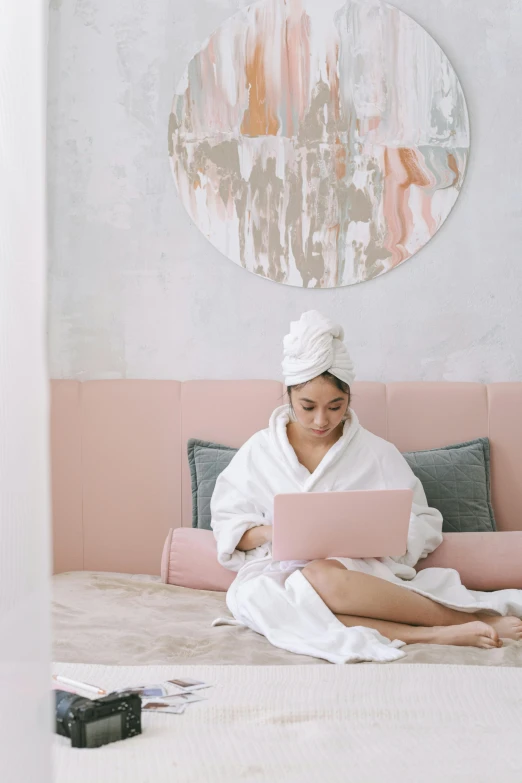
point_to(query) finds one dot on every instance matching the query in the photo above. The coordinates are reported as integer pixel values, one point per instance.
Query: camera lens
(65, 702)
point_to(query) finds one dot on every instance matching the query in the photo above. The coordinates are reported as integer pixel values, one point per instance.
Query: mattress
(134, 619)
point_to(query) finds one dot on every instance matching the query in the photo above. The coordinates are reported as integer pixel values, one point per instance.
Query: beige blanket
(134, 619)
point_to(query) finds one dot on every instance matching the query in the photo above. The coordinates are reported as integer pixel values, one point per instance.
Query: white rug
(309, 724)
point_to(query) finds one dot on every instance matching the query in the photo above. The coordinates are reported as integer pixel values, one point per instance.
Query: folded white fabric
(314, 345)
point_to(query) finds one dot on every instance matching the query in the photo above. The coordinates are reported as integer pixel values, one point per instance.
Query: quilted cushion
(207, 460)
(455, 479)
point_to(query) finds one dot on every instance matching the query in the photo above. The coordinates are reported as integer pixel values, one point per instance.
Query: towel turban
(314, 345)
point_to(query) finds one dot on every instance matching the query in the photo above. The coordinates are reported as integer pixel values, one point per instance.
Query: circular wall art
(319, 143)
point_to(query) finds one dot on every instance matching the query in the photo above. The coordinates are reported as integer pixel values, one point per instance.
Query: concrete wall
(137, 292)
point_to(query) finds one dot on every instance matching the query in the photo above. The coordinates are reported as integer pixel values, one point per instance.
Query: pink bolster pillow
(485, 561)
(190, 560)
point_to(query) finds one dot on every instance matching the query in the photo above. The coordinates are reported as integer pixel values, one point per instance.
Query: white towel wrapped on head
(313, 346)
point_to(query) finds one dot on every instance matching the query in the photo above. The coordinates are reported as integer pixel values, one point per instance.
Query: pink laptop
(360, 523)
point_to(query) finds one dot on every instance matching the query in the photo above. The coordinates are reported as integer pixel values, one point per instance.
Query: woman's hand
(256, 536)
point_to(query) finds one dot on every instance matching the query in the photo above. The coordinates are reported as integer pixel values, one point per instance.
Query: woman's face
(319, 407)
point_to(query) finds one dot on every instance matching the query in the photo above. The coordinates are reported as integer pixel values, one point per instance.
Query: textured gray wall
(137, 292)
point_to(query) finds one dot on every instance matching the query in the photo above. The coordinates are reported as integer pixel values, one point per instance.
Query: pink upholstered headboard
(119, 470)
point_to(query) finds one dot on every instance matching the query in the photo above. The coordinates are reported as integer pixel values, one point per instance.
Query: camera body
(92, 723)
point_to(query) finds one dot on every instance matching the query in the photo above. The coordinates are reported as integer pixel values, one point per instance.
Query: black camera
(91, 723)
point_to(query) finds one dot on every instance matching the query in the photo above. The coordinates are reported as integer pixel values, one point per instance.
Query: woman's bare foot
(506, 627)
(474, 634)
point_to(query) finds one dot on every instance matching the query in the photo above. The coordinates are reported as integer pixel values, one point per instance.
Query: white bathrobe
(274, 598)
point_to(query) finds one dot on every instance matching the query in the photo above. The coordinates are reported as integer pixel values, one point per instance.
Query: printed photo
(189, 684)
(162, 706)
(147, 690)
(184, 698)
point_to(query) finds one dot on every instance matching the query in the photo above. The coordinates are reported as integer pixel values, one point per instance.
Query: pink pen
(81, 685)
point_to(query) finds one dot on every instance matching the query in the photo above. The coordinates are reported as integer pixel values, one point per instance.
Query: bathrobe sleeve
(234, 509)
(425, 531)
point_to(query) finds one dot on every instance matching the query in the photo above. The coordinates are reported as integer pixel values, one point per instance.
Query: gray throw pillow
(455, 479)
(206, 460)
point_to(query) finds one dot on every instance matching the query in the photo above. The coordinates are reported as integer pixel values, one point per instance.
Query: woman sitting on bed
(339, 609)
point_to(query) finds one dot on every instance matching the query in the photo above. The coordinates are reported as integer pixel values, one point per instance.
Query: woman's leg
(471, 634)
(353, 594)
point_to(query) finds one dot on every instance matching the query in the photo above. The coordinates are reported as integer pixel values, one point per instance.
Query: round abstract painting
(319, 143)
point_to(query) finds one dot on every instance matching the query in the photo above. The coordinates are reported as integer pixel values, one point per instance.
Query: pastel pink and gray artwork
(319, 143)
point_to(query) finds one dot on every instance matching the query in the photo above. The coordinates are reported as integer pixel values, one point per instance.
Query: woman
(340, 609)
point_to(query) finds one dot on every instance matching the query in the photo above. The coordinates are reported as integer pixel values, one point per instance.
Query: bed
(121, 480)
(458, 722)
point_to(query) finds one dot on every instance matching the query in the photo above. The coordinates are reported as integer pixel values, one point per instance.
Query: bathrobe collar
(279, 440)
